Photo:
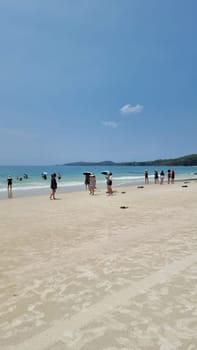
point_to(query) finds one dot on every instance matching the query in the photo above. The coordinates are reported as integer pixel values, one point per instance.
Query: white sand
(81, 273)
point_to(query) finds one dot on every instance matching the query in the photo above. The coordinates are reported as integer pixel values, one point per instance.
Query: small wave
(38, 186)
(128, 178)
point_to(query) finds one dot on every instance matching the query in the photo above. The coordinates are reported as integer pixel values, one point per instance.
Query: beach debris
(123, 192)
(123, 207)
(184, 186)
(140, 186)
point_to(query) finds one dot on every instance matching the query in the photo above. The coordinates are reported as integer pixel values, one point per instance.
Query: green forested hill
(182, 161)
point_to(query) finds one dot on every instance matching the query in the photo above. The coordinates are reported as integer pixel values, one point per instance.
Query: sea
(28, 180)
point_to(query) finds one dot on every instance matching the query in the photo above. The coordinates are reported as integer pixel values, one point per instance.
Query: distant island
(188, 160)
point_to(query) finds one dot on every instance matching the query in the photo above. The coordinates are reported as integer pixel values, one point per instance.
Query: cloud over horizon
(128, 109)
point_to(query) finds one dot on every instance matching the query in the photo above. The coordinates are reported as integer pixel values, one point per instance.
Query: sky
(94, 80)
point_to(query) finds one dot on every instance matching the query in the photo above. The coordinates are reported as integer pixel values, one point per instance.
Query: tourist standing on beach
(146, 177)
(162, 177)
(87, 180)
(53, 186)
(169, 176)
(156, 176)
(9, 182)
(109, 183)
(172, 176)
(92, 184)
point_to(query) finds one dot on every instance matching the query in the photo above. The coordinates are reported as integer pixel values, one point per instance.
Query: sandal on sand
(123, 207)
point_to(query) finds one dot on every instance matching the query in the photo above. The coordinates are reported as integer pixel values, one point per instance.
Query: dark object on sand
(184, 186)
(140, 186)
(123, 207)
(123, 192)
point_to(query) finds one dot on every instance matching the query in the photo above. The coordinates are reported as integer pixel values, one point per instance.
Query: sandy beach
(82, 273)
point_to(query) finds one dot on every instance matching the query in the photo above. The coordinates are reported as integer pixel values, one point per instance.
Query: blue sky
(97, 80)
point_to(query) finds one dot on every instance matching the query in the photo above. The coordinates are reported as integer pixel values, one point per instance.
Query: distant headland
(188, 160)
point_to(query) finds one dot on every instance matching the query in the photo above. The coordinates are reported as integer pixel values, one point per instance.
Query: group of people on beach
(90, 182)
(159, 178)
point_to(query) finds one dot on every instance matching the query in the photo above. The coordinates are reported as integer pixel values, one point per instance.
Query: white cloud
(110, 124)
(128, 109)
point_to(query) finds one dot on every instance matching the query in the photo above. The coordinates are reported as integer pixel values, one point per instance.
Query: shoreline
(18, 193)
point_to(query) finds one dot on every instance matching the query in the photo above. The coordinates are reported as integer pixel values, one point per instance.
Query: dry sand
(81, 273)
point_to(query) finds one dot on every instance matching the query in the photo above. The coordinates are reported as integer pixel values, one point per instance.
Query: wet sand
(82, 273)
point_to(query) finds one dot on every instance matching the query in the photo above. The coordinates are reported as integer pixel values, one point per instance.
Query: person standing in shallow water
(53, 186)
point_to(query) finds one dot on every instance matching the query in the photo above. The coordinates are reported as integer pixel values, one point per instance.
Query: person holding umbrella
(87, 179)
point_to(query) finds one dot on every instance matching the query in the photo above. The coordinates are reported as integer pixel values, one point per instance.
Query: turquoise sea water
(73, 179)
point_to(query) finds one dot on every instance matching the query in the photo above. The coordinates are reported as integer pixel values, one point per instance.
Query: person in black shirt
(9, 182)
(156, 176)
(146, 177)
(53, 186)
